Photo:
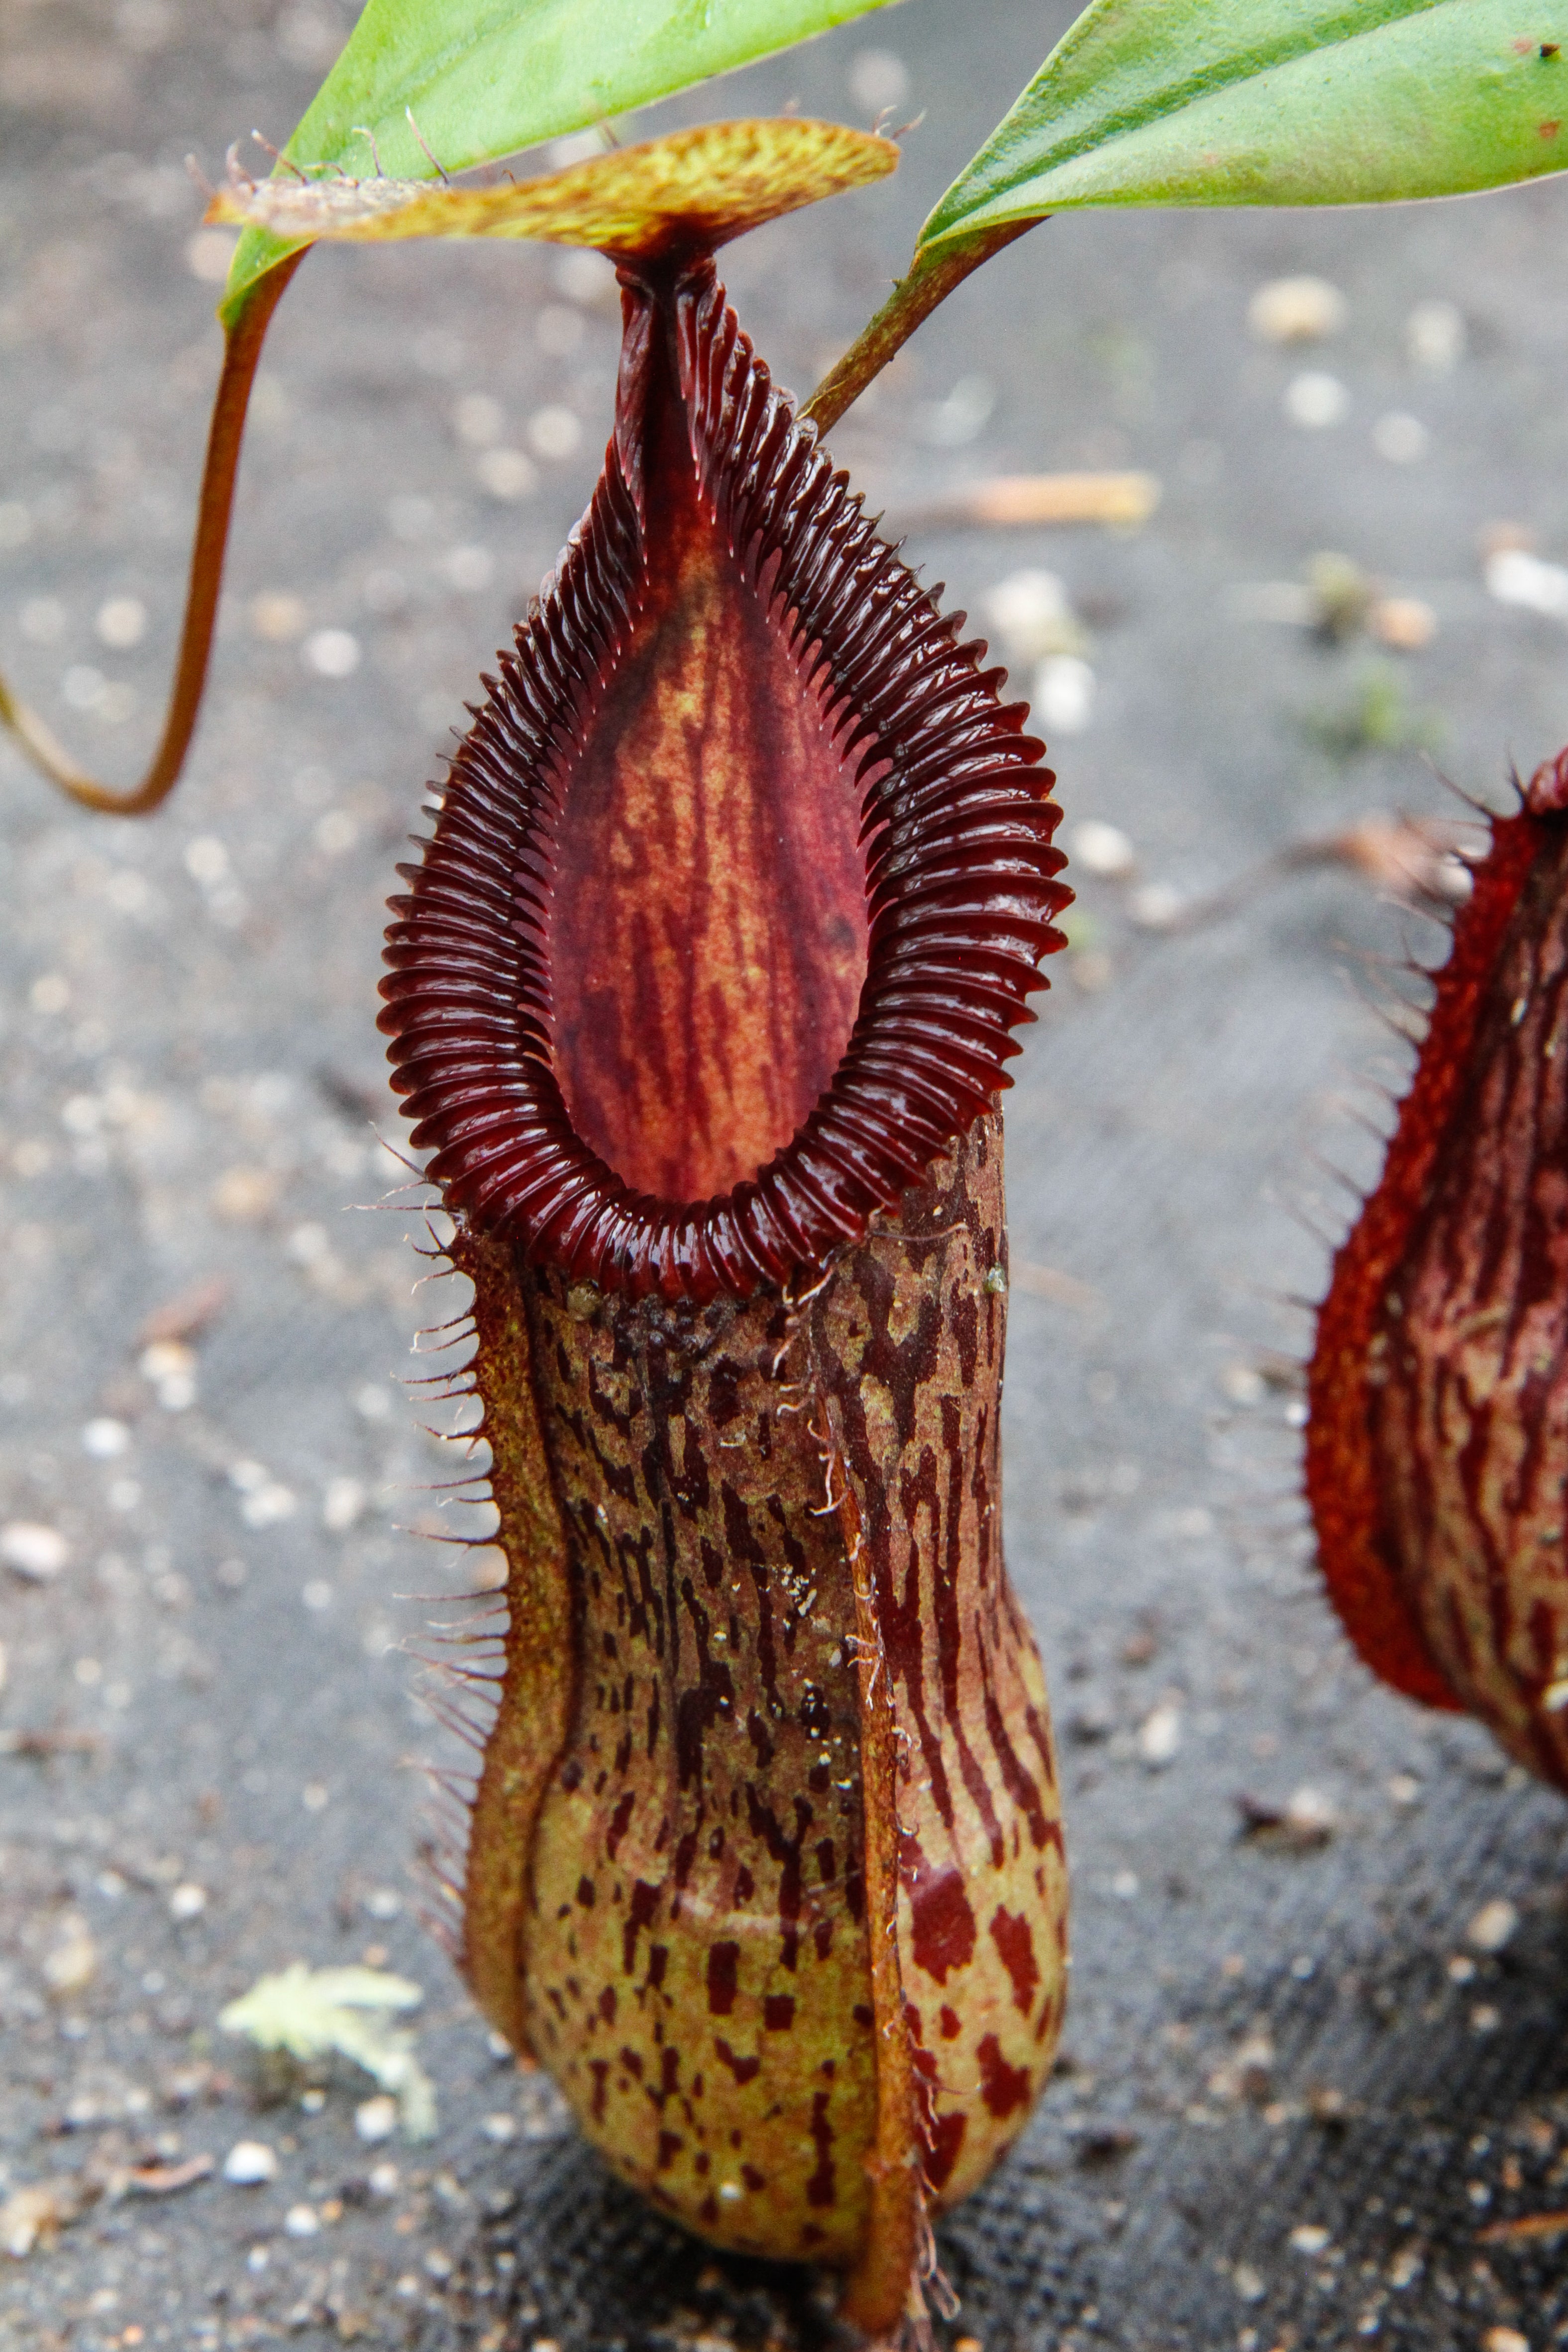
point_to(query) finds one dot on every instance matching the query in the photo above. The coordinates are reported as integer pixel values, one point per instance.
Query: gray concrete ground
(1294, 2099)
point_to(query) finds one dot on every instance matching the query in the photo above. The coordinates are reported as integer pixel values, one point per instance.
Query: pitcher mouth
(933, 882)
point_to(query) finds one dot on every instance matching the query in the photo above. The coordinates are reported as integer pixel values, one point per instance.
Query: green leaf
(1274, 102)
(697, 188)
(484, 77)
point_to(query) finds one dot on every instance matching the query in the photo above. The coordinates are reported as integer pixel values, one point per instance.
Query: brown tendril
(213, 511)
(928, 283)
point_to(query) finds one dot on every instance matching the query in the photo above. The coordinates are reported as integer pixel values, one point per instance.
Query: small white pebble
(1062, 696)
(1401, 438)
(206, 862)
(277, 617)
(1250, 2285)
(1504, 2340)
(1157, 907)
(1314, 401)
(1103, 849)
(105, 1439)
(334, 833)
(301, 2221)
(1159, 1736)
(1405, 623)
(1514, 576)
(309, 1245)
(376, 2119)
(1404, 1791)
(878, 79)
(507, 473)
(499, 2127)
(121, 622)
(266, 1505)
(249, 2163)
(342, 1504)
(469, 569)
(383, 2180)
(316, 1594)
(1493, 1926)
(33, 1550)
(1309, 1809)
(555, 431)
(188, 1901)
(331, 653)
(1296, 310)
(71, 1962)
(1309, 2238)
(314, 1796)
(1030, 612)
(1434, 336)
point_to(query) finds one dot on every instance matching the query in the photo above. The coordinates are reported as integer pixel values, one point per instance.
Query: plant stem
(930, 281)
(215, 508)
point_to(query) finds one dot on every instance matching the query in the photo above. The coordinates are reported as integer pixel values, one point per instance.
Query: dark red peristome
(1420, 1457)
(744, 870)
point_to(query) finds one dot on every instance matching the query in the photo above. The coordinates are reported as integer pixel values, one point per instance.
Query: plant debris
(1377, 717)
(1527, 2227)
(186, 1315)
(1120, 501)
(316, 2013)
(33, 1551)
(1305, 1822)
(1296, 310)
(40, 1741)
(35, 2215)
(1493, 1926)
(1418, 861)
